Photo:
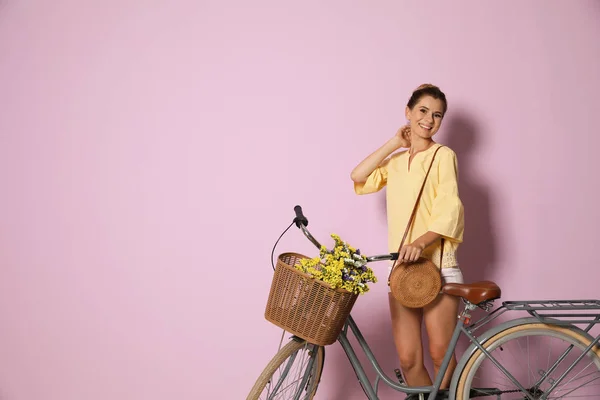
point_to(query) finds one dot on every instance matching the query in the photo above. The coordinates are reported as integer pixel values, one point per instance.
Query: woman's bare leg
(440, 321)
(406, 327)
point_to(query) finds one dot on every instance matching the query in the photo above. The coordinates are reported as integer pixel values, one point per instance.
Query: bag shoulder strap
(414, 211)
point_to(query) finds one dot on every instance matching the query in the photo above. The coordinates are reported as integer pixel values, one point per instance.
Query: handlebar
(302, 222)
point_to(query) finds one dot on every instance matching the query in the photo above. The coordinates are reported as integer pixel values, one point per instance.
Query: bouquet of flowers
(343, 267)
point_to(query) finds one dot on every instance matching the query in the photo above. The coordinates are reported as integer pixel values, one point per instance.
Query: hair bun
(427, 89)
(427, 86)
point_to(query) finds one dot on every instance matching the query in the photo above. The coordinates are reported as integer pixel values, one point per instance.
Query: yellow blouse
(440, 209)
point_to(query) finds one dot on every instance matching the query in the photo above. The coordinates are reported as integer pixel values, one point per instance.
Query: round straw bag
(416, 284)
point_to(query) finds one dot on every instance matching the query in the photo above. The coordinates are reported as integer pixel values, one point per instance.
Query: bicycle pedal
(414, 396)
(399, 376)
(442, 394)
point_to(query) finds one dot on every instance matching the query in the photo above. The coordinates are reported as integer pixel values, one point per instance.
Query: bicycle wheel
(293, 373)
(536, 355)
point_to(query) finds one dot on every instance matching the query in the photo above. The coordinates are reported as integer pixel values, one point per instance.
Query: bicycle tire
(464, 388)
(291, 348)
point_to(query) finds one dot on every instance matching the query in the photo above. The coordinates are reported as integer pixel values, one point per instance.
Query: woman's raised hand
(403, 136)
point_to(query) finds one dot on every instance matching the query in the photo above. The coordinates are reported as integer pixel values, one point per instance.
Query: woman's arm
(412, 252)
(362, 171)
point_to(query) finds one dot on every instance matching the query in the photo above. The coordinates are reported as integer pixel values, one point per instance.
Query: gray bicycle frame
(539, 310)
(371, 390)
(478, 343)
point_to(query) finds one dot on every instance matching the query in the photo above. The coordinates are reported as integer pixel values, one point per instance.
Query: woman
(439, 215)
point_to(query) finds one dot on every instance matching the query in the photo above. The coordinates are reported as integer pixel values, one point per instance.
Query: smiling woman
(425, 111)
(439, 215)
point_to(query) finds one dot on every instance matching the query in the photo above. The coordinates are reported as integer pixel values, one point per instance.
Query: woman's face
(425, 117)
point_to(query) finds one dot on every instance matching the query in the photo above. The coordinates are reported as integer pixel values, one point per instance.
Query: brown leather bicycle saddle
(475, 292)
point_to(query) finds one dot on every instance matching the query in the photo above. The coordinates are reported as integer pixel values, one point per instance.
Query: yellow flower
(343, 267)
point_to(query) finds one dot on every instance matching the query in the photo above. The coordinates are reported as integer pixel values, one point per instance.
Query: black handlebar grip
(300, 218)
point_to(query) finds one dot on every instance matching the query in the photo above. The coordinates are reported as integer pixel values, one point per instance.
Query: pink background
(152, 153)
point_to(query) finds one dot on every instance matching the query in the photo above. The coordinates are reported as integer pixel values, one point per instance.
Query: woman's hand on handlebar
(410, 252)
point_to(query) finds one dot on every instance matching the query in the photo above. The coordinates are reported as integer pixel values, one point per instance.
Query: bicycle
(565, 372)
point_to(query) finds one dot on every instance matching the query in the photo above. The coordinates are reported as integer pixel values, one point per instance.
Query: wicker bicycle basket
(304, 306)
